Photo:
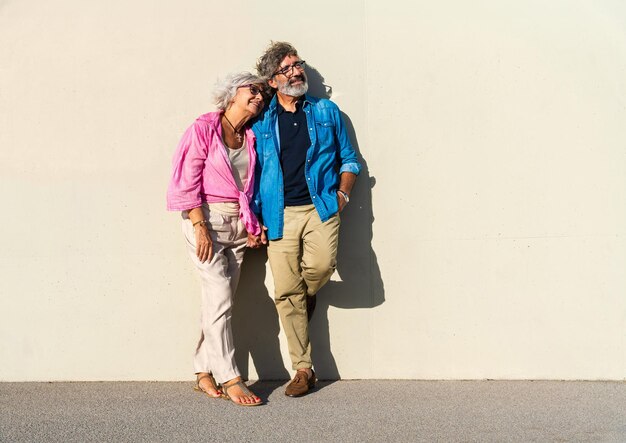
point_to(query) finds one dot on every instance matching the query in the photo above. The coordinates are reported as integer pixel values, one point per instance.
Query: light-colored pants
(215, 352)
(302, 262)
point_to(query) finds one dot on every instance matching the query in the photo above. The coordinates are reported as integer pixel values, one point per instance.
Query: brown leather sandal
(198, 388)
(245, 391)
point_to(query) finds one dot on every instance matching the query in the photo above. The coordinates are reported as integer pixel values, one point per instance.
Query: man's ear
(272, 83)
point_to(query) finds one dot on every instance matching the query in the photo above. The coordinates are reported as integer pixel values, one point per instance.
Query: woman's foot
(206, 383)
(239, 393)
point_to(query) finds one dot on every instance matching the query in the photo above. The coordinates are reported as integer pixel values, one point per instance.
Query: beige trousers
(302, 262)
(215, 352)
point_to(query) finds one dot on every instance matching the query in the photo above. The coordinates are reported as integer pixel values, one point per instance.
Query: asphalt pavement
(340, 411)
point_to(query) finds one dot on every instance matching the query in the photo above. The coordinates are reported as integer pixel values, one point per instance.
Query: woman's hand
(204, 244)
(254, 241)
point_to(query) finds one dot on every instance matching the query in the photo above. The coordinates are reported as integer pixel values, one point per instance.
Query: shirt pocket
(265, 144)
(325, 133)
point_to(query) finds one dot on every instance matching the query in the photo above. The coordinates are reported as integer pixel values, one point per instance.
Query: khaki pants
(302, 262)
(215, 352)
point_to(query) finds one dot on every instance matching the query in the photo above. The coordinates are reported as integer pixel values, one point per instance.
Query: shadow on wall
(255, 321)
(359, 286)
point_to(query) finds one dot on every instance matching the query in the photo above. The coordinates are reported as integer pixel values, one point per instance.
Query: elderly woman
(212, 184)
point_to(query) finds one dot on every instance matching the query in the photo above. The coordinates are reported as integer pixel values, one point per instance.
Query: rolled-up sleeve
(185, 188)
(346, 153)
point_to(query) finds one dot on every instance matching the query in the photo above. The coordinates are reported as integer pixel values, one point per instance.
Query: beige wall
(485, 238)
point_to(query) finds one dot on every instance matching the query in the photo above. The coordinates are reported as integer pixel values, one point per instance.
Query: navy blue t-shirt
(294, 143)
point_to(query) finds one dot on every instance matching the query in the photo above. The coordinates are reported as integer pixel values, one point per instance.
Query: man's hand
(341, 200)
(346, 182)
(256, 241)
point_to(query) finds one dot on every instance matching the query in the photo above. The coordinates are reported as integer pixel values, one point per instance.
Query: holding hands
(256, 241)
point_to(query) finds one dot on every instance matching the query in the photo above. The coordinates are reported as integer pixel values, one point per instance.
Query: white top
(239, 160)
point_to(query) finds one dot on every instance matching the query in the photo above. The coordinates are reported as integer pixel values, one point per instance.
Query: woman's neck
(236, 119)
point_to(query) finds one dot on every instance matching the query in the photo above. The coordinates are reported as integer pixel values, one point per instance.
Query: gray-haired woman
(212, 184)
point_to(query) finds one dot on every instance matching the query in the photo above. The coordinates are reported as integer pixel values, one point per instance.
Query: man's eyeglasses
(288, 70)
(254, 89)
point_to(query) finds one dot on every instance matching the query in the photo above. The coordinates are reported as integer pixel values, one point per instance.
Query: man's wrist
(344, 194)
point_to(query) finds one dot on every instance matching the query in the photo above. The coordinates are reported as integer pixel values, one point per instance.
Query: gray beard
(294, 91)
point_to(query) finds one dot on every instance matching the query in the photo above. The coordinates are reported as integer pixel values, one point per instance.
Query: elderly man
(306, 170)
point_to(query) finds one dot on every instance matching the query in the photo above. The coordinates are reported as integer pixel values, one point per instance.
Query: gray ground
(346, 411)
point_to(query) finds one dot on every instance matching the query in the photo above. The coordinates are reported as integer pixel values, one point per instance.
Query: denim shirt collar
(274, 103)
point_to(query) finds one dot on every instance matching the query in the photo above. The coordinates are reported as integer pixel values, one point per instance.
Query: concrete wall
(485, 237)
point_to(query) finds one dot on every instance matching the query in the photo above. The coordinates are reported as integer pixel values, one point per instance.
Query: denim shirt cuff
(355, 168)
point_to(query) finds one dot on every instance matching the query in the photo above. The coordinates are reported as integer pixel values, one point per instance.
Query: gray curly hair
(273, 56)
(226, 89)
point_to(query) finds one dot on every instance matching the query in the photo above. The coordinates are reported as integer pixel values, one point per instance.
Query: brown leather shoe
(300, 384)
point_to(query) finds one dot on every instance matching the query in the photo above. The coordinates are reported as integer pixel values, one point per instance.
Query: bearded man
(306, 169)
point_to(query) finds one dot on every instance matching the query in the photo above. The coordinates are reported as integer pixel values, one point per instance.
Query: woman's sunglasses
(254, 89)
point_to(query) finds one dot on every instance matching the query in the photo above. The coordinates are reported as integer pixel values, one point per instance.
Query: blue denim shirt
(330, 154)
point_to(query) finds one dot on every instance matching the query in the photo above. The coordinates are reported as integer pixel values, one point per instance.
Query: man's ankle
(307, 371)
